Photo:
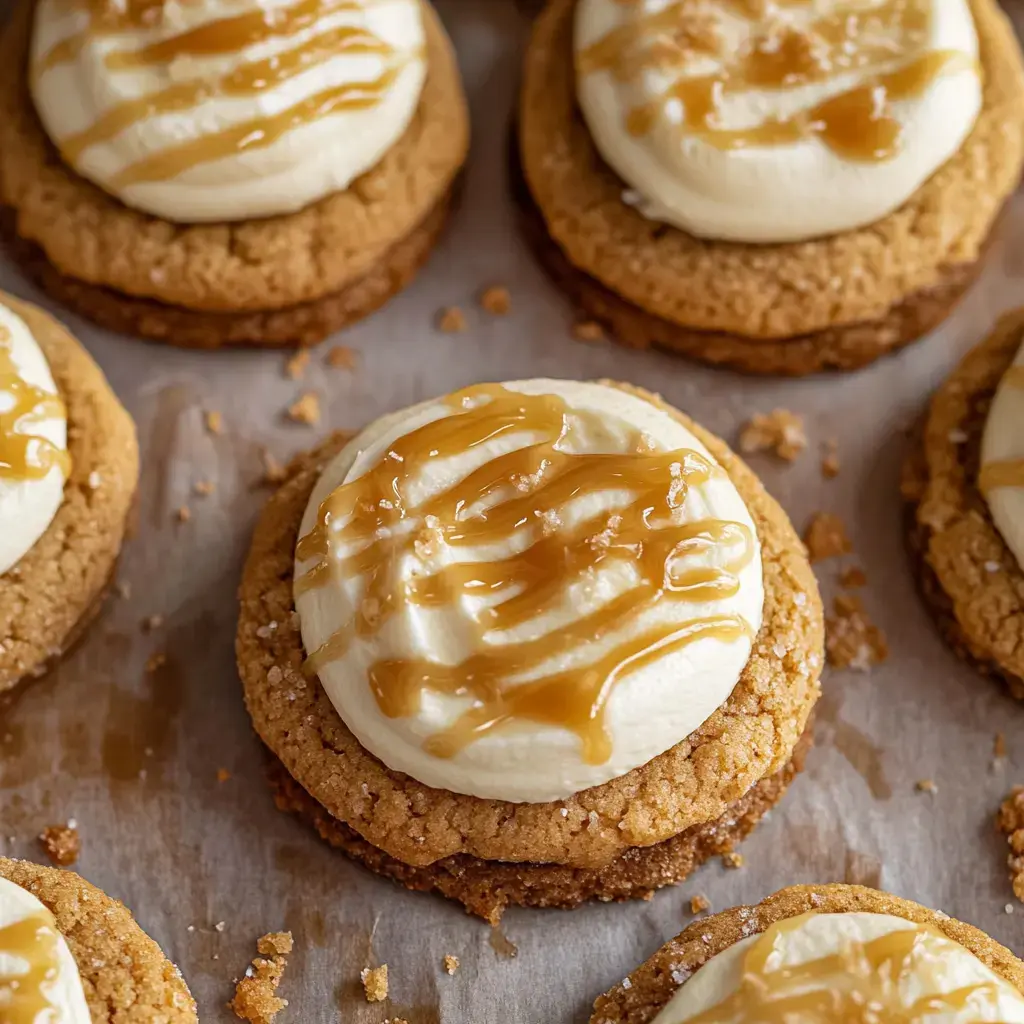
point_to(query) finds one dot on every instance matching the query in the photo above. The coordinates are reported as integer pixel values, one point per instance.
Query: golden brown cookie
(832, 303)
(648, 989)
(969, 577)
(48, 599)
(752, 737)
(287, 280)
(125, 976)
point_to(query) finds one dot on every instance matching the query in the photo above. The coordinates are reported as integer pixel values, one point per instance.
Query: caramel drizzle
(860, 985)
(857, 123)
(24, 455)
(366, 528)
(1003, 473)
(23, 997)
(220, 38)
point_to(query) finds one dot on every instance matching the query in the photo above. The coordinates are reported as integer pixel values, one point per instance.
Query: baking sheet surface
(134, 757)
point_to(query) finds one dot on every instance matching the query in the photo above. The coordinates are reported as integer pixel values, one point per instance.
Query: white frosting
(649, 711)
(823, 935)
(65, 992)
(1004, 439)
(304, 164)
(772, 193)
(27, 507)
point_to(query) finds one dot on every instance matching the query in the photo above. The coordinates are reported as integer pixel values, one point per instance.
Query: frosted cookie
(70, 953)
(218, 173)
(69, 465)
(965, 488)
(531, 643)
(781, 188)
(823, 953)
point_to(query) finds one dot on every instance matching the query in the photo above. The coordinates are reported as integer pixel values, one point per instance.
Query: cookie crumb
(926, 786)
(214, 421)
(295, 367)
(151, 623)
(341, 357)
(698, 904)
(451, 963)
(830, 459)
(273, 472)
(732, 859)
(1010, 821)
(183, 514)
(156, 661)
(451, 320)
(853, 578)
(589, 331)
(255, 999)
(375, 983)
(496, 300)
(204, 487)
(223, 775)
(779, 431)
(851, 639)
(999, 746)
(305, 410)
(61, 843)
(825, 537)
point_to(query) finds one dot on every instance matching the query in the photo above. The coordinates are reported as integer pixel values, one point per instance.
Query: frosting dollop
(1001, 478)
(220, 110)
(524, 590)
(775, 120)
(848, 967)
(34, 461)
(39, 979)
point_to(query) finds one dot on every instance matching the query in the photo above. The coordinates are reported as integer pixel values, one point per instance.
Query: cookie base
(293, 326)
(647, 991)
(968, 577)
(487, 888)
(844, 348)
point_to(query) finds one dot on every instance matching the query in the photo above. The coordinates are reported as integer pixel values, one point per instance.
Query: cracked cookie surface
(969, 577)
(868, 290)
(751, 736)
(246, 267)
(125, 975)
(651, 986)
(49, 597)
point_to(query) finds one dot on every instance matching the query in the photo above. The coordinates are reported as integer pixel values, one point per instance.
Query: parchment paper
(133, 756)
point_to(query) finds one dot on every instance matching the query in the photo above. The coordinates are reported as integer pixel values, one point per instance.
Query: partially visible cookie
(646, 992)
(968, 576)
(125, 976)
(49, 597)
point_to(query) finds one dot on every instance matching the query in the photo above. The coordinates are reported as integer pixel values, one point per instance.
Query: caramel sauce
(219, 38)
(23, 997)
(1005, 473)
(859, 985)
(857, 123)
(23, 455)
(517, 501)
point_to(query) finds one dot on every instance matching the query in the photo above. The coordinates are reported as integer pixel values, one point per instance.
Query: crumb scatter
(61, 843)
(256, 998)
(826, 537)
(779, 431)
(375, 983)
(496, 300)
(451, 320)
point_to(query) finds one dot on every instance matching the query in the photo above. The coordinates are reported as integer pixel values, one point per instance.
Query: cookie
(125, 975)
(833, 303)
(48, 599)
(288, 280)
(968, 576)
(750, 738)
(640, 998)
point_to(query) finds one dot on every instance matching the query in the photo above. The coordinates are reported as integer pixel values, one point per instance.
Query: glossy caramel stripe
(23, 455)
(514, 495)
(256, 133)
(248, 79)
(1005, 473)
(23, 996)
(862, 983)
